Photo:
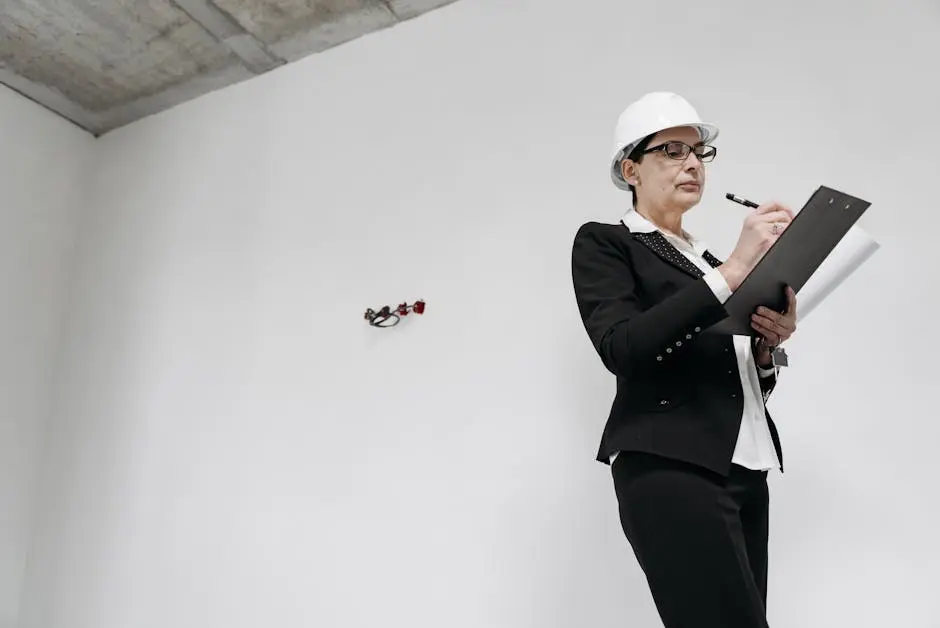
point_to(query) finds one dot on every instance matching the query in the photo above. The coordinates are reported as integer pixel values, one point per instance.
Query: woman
(688, 438)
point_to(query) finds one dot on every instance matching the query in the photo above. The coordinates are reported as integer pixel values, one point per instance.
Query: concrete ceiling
(106, 63)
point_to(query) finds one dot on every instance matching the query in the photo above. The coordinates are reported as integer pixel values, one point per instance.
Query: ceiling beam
(253, 53)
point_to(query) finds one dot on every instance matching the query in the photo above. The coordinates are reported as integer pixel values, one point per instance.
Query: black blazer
(644, 307)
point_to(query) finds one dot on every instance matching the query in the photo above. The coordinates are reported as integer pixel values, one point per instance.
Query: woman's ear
(630, 172)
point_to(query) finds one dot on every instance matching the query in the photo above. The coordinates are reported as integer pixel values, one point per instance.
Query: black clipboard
(809, 239)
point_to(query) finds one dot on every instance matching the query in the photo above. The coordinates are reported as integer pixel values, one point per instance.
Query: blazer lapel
(670, 254)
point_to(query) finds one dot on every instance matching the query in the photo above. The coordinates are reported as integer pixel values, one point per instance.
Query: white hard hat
(654, 112)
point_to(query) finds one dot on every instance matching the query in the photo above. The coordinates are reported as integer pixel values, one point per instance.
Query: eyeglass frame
(691, 149)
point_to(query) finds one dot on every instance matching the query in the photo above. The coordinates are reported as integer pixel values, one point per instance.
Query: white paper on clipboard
(847, 256)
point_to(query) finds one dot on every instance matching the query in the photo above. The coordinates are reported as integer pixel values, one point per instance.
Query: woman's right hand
(761, 229)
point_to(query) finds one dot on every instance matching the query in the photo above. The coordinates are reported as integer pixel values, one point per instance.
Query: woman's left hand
(775, 327)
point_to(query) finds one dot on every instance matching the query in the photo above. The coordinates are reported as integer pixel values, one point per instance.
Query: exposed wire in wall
(386, 317)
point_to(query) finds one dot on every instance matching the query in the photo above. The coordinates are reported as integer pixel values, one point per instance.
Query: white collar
(637, 223)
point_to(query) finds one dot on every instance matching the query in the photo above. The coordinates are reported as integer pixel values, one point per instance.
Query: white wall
(234, 446)
(43, 172)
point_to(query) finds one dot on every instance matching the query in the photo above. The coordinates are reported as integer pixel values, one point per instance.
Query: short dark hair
(637, 155)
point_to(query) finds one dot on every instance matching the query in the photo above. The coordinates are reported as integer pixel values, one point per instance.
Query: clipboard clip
(847, 205)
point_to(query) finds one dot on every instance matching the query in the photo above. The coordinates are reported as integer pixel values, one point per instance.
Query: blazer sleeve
(627, 337)
(767, 384)
(766, 377)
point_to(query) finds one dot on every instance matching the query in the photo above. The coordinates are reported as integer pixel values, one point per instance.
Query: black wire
(379, 320)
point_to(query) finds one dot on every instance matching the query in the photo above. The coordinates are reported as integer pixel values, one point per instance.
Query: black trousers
(700, 538)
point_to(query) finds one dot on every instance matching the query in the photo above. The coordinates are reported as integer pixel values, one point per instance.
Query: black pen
(742, 201)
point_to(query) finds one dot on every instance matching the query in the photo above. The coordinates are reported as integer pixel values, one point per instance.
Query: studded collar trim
(646, 232)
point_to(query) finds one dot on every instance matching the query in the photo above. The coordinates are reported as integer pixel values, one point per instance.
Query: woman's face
(662, 181)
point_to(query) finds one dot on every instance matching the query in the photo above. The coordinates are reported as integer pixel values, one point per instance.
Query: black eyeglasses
(681, 150)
